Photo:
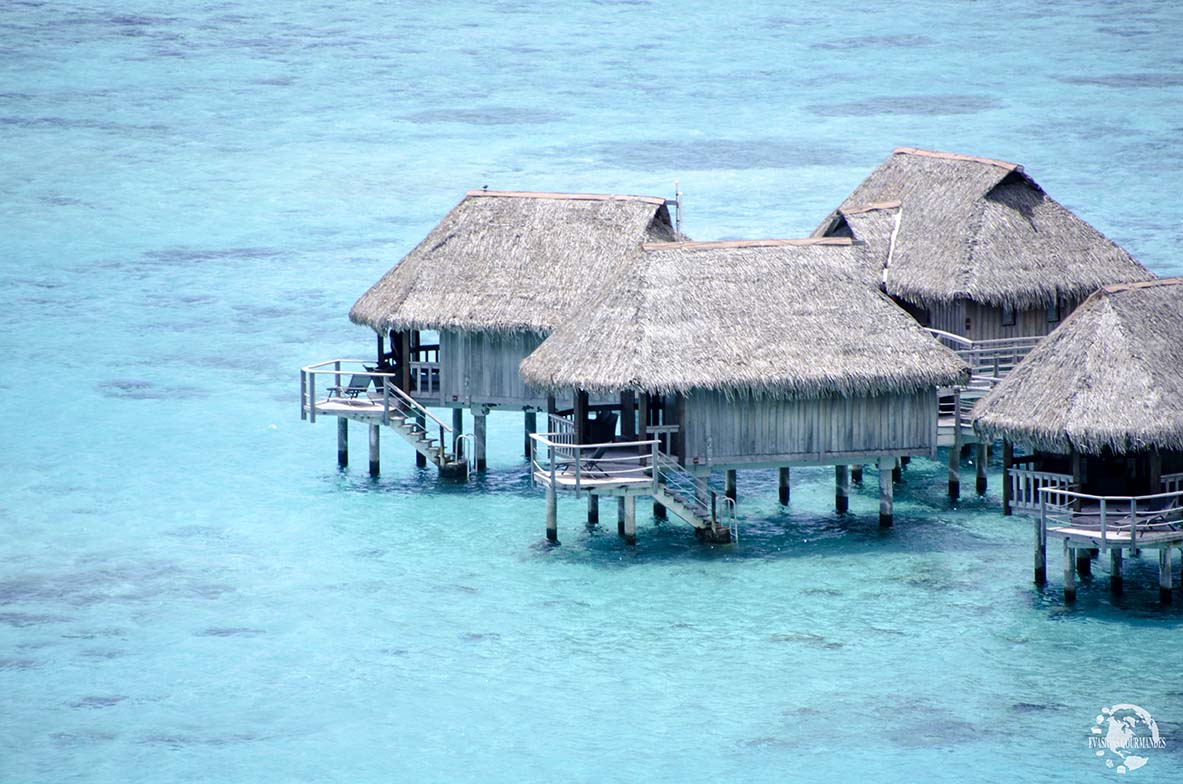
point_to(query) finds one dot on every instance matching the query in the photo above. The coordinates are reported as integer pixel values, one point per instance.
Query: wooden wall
(986, 320)
(481, 368)
(719, 431)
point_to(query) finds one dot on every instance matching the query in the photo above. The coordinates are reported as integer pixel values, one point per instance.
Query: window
(1008, 316)
(1053, 311)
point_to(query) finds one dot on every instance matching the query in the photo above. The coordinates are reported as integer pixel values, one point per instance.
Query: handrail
(418, 408)
(1088, 497)
(940, 333)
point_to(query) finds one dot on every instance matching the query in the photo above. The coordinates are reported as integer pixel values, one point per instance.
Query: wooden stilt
(981, 455)
(457, 431)
(1084, 562)
(630, 519)
(1164, 575)
(955, 467)
(479, 431)
(841, 488)
(1069, 573)
(620, 516)
(552, 515)
(531, 424)
(905, 461)
(782, 483)
(593, 510)
(886, 491)
(1115, 579)
(420, 458)
(374, 450)
(342, 442)
(1008, 459)
(659, 512)
(1040, 554)
(856, 474)
(897, 471)
(729, 483)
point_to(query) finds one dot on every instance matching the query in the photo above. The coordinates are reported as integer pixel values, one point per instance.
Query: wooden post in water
(457, 431)
(342, 442)
(841, 488)
(1164, 574)
(552, 514)
(630, 519)
(981, 455)
(374, 450)
(729, 483)
(1084, 561)
(531, 428)
(856, 473)
(420, 458)
(479, 431)
(1040, 546)
(1008, 459)
(955, 466)
(593, 510)
(897, 471)
(620, 516)
(1115, 581)
(782, 484)
(1069, 572)
(885, 491)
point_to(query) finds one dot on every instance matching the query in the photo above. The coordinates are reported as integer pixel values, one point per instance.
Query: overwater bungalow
(975, 250)
(723, 356)
(457, 314)
(1097, 409)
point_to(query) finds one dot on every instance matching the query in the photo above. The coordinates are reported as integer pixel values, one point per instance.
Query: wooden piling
(856, 473)
(1164, 574)
(531, 427)
(479, 431)
(1084, 562)
(885, 491)
(342, 442)
(659, 512)
(897, 471)
(620, 516)
(593, 510)
(630, 519)
(1115, 579)
(1069, 572)
(981, 456)
(841, 488)
(457, 431)
(552, 515)
(420, 458)
(1040, 554)
(1008, 459)
(955, 467)
(782, 483)
(729, 483)
(374, 450)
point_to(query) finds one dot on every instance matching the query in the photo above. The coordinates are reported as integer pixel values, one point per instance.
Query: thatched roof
(512, 262)
(1110, 376)
(977, 229)
(781, 318)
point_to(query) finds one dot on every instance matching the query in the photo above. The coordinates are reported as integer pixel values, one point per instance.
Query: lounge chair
(358, 383)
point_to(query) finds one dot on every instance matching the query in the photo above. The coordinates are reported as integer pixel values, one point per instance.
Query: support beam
(1084, 561)
(729, 483)
(420, 458)
(782, 483)
(841, 488)
(552, 515)
(531, 427)
(981, 456)
(1008, 459)
(342, 442)
(1040, 554)
(856, 473)
(897, 471)
(1115, 578)
(404, 361)
(1164, 574)
(620, 516)
(886, 491)
(580, 416)
(630, 519)
(480, 419)
(593, 510)
(457, 431)
(374, 450)
(628, 415)
(659, 512)
(1069, 573)
(955, 467)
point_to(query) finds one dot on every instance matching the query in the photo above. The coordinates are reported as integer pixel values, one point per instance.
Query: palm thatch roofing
(512, 262)
(1111, 376)
(773, 318)
(954, 227)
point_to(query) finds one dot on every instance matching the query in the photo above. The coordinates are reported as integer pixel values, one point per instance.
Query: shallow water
(189, 590)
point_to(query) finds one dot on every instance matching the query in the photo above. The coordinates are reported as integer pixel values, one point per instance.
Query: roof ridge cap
(657, 200)
(955, 156)
(871, 207)
(804, 241)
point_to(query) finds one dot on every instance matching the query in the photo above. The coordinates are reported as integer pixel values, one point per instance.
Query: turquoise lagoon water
(194, 193)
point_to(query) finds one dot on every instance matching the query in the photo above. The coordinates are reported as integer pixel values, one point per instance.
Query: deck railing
(1172, 483)
(557, 461)
(391, 401)
(1124, 517)
(994, 358)
(1027, 483)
